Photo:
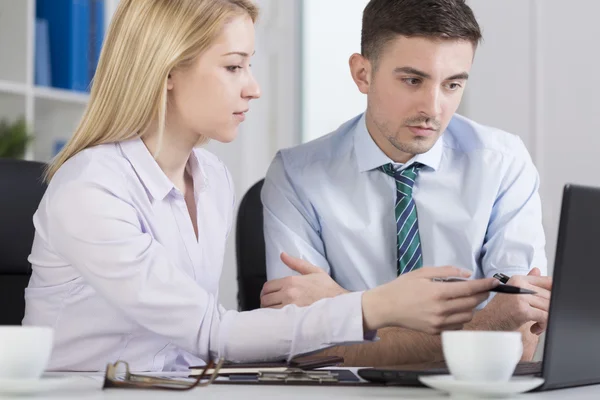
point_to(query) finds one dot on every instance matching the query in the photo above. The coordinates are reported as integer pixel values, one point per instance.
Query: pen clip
(501, 277)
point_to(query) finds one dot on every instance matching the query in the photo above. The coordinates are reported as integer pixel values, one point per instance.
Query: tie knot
(405, 179)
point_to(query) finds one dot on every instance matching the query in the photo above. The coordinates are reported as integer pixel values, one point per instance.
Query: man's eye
(412, 81)
(454, 86)
(233, 68)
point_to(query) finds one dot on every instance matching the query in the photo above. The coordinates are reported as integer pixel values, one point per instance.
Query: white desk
(87, 387)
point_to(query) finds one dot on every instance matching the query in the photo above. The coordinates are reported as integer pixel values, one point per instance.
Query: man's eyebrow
(239, 53)
(412, 71)
(425, 75)
(458, 77)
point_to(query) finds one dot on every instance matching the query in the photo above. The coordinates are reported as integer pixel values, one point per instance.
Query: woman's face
(212, 95)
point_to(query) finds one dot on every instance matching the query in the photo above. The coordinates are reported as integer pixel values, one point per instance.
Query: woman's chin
(227, 137)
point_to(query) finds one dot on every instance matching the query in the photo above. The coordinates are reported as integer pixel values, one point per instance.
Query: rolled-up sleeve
(515, 238)
(289, 225)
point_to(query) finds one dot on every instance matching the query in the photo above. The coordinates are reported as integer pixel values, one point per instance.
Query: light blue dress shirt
(119, 273)
(477, 203)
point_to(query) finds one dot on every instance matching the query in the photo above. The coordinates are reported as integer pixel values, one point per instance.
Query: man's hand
(513, 311)
(413, 301)
(312, 285)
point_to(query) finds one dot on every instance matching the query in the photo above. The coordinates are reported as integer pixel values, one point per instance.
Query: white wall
(536, 76)
(330, 34)
(503, 65)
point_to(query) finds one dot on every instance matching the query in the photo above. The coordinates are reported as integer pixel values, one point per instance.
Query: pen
(504, 288)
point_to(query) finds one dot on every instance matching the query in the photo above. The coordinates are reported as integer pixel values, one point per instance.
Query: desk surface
(86, 386)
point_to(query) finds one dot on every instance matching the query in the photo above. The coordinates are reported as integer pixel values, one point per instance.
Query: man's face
(413, 92)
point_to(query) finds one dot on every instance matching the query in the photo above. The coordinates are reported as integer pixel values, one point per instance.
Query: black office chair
(250, 249)
(21, 189)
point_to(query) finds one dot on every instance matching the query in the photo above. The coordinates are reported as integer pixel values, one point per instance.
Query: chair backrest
(250, 249)
(21, 189)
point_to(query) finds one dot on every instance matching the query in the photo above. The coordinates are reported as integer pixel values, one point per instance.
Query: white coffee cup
(482, 355)
(24, 351)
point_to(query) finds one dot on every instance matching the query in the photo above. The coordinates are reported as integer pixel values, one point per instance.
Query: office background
(534, 75)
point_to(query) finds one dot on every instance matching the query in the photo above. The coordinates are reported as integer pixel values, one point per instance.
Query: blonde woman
(131, 232)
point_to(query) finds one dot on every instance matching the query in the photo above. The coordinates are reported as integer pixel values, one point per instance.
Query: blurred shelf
(65, 96)
(45, 93)
(13, 87)
(52, 114)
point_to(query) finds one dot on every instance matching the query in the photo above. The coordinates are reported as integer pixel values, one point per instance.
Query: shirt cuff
(347, 320)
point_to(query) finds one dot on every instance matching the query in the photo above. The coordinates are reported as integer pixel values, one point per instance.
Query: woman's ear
(170, 82)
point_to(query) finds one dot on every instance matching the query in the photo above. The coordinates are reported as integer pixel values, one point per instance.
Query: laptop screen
(572, 348)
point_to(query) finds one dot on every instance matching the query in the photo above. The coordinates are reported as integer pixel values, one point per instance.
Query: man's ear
(360, 68)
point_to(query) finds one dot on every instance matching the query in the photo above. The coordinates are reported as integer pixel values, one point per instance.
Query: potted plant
(14, 138)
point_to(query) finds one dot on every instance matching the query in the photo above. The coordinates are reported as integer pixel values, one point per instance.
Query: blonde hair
(146, 40)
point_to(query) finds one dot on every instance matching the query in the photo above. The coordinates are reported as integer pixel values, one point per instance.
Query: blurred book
(69, 34)
(43, 74)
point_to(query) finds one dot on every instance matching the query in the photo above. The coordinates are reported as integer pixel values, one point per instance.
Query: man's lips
(420, 130)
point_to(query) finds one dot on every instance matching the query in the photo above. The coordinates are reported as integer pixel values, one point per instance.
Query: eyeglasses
(133, 381)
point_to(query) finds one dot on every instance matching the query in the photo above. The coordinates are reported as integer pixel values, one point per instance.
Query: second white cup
(482, 355)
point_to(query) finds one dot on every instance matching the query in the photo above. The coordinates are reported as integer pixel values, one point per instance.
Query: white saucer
(479, 389)
(33, 386)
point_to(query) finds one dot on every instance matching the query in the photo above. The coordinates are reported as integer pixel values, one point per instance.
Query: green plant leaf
(14, 138)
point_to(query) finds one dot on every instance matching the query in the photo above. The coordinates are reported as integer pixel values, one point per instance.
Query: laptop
(571, 351)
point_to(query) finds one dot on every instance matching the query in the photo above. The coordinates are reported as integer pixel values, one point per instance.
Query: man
(408, 184)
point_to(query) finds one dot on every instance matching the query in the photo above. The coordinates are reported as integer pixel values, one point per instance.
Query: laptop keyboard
(409, 375)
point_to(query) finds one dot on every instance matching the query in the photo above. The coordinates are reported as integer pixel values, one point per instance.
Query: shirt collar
(152, 176)
(370, 156)
(146, 168)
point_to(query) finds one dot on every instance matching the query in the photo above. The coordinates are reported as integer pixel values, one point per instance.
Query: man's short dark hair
(384, 20)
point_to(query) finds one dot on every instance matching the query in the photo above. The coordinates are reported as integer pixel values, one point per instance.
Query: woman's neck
(173, 154)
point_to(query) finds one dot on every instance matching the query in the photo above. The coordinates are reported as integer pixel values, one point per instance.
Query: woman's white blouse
(119, 274)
